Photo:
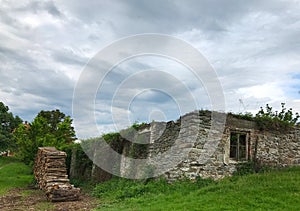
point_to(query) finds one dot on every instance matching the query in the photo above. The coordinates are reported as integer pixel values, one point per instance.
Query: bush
(110, 137)
(269, 119)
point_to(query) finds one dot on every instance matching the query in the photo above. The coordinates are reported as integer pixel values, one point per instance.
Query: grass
(276, 190)
(86, 186)
(7, 160)
(13, 174)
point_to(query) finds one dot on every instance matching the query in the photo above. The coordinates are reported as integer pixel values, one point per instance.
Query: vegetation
(49, 128)
(246, 116)
(119, 188)
(141, 125)
(17, 190)
(275, 190)
(110, 137)
(267, 118)
(83, 163)
(13, 173)
(247, 190)
(251, 167)
(8, 123)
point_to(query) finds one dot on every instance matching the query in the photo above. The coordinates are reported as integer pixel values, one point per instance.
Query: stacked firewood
(51, 174)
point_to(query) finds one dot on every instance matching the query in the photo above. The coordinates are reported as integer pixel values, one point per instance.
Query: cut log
(51, 175)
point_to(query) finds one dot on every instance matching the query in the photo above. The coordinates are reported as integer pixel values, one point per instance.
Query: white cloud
(263, 91)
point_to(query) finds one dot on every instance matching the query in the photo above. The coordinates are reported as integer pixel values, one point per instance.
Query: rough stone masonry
(238, 141)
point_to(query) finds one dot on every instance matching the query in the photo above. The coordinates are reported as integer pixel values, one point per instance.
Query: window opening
(239, 147)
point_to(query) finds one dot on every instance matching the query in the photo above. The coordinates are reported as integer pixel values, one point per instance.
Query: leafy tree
(49, 128)
(8, 123)
(267, 118)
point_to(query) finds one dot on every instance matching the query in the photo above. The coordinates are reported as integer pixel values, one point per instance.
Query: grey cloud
(248, 42)
(23, 77)
(52, 9)
(36, 6)
(135, 16)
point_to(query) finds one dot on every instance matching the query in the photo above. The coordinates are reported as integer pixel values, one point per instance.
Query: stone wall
(267, 147)
(193, 166)
(279, 149)
(198, 149)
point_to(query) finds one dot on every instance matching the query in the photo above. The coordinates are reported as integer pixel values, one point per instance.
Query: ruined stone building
(191, 147)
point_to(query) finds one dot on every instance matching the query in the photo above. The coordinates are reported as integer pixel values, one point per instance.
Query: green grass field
(13, 174)
(277, 190)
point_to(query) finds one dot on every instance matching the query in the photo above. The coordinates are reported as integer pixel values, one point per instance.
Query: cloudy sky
(253, 46)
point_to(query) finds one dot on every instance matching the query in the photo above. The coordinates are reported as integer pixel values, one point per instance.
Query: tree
(8, 123)
(49, 128)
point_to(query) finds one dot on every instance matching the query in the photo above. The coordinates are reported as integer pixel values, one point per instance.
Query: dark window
(238, 146)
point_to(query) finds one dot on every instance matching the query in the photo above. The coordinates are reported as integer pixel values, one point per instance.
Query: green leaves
(49, 128)
(8, 123)
(267, 118)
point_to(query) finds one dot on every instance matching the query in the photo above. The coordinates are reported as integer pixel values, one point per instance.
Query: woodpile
(51, 174)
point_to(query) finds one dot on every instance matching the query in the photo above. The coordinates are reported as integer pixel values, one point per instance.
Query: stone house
(191, 147)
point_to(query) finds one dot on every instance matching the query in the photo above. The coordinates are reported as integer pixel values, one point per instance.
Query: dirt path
(33, 199)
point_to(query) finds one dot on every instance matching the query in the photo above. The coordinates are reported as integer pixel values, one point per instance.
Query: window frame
(246, 146)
